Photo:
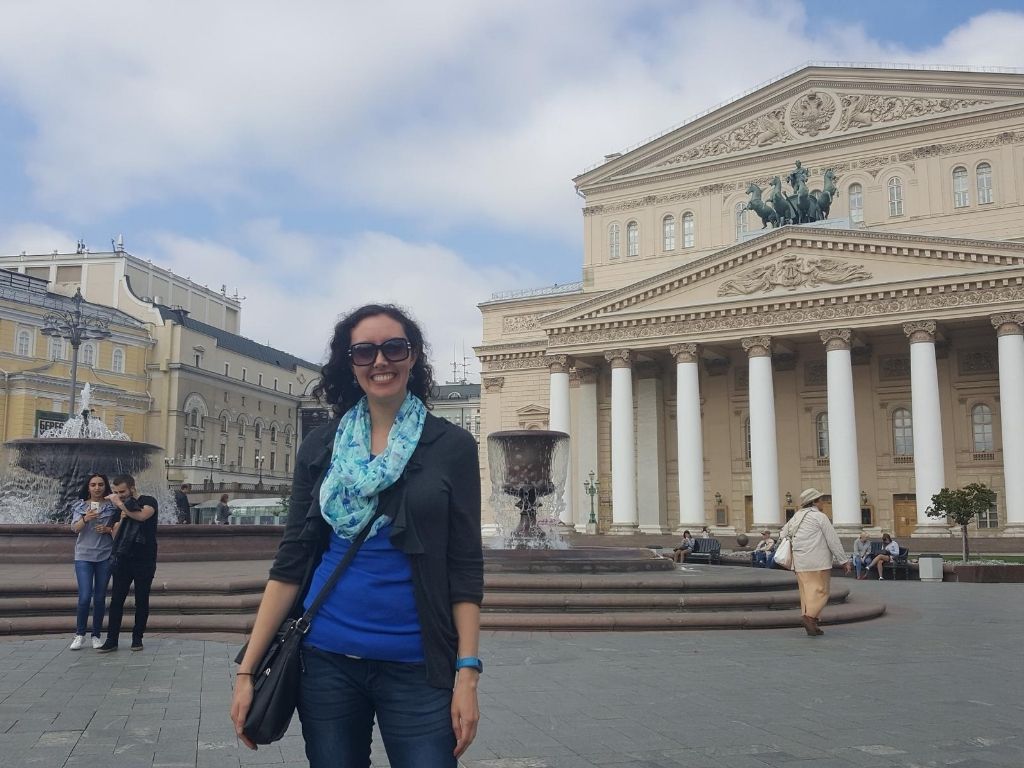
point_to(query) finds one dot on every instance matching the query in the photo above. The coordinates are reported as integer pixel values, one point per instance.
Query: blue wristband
(469, 662)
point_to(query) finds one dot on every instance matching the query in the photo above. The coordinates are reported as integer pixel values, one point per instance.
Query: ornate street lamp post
(591, 487)
(213, 462)
(76, 327)
(167, 464)
(259, 466)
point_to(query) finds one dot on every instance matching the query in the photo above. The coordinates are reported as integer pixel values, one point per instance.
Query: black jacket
(435, 506)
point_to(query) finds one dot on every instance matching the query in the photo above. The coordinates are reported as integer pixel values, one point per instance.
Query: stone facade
(874, 355)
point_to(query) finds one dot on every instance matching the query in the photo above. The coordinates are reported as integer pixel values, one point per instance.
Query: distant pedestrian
(223, 511)
(815, 546)
(890, 549)
(182, 504)
(92, 518)
(862, 554)
(764, 550)
(684, 548)
(704, 533)
(134, 559)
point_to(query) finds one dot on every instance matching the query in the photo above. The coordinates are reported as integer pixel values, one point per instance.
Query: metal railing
(550, 290)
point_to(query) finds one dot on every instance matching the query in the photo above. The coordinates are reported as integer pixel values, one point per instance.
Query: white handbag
(784, 552)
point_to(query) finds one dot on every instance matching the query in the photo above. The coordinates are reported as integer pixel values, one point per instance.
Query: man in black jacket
(134, 559)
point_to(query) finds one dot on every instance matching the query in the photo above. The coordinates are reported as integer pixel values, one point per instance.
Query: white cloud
(446, 112)
(35, 237)
(437, 286)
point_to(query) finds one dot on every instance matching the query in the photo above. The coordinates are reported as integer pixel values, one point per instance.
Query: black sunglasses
(394, 350)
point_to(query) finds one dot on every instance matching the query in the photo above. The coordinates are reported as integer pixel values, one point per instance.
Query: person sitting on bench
(764, 550)
(889, 551)
(685, 547)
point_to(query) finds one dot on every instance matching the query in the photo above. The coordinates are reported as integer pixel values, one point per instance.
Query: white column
(842, 431)
(586, 443)
(929, 466)
(650, 446)
(490, 421)
(764, 449)
(1010, 332)
(689, 438)
(624, 517)
(558, 420)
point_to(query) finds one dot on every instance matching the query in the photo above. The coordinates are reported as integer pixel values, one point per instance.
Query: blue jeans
(763, 559)
(339, 697)
(861, 563)
(92, 591)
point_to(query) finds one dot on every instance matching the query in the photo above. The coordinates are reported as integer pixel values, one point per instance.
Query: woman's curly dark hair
(337, 386)
(84, 492)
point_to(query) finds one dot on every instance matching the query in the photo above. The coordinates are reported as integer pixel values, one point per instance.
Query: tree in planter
(285, 502)
(961, 506)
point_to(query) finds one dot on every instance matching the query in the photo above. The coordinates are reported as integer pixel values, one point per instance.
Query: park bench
(900, 563)
(706, 551)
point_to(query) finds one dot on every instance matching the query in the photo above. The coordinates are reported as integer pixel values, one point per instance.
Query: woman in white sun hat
(815, 546)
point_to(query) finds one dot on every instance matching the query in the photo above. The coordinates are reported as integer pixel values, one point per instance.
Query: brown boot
(817, 628)
(809, 625)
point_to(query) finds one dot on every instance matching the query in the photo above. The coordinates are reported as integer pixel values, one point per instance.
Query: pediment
(812, 105)
(801, 262)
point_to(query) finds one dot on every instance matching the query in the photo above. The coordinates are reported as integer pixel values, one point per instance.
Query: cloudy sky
(318, 155)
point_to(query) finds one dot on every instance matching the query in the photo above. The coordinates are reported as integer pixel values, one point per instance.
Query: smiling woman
(396, 492)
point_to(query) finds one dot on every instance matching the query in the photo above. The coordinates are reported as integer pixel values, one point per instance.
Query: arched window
(24, 343)
(241, 433)
(902, 433)
(56, 348)
(273, 433)
(984, 183)
(259, 430)
(856, 197)
(960, 197)
(195, 420)
(740, 214)
(746, 438)
(224, 423)
(981, 427)
(668, 233)
(821, 431)
(689, 231)
(88, 355)
(613, 241)
(117, 361)
(632, 239)
(895, 196)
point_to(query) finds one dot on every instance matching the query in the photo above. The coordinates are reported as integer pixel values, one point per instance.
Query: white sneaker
(97, 642)
(76, 644)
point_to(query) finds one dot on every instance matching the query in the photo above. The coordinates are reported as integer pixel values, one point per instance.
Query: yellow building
(36, 369)
(707, 370)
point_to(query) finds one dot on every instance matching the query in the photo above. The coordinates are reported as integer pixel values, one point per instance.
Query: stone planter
(989, 573)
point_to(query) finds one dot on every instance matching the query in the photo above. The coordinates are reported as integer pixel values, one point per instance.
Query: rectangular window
(223, 454)
(989, 519)
(199, 360)
(275, 385)
(273, 462)
(259, 379)
(286, 462)
(243, 374)
(192, 446)
(240, 449)
(289, 387)
(227, 369)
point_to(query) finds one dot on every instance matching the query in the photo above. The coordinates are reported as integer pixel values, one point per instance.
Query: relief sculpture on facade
(861, 110)
(792, 272)
(762, 131)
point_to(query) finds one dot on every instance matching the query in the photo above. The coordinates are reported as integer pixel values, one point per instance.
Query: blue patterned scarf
(348, 495)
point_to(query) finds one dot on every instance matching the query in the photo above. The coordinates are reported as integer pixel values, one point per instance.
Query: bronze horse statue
(826, 196)
(806, 204)
(784, 207)
(758, 206)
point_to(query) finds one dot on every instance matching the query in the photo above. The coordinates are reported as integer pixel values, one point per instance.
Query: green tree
(285, 501)
(961, 506)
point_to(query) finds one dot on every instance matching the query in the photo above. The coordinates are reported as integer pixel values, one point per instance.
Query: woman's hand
(240, 703)
(465, 709)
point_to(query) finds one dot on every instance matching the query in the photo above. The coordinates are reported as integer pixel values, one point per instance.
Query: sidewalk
(935, 682)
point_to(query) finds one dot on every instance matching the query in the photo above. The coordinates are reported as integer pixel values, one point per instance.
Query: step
(579, 602)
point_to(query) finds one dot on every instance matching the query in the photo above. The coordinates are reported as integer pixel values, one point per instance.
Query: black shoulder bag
(276, 679)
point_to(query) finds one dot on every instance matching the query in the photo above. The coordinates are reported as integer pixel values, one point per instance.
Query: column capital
(619, 358)
(757, 346)
(557, 363)
(684, 353)
(1008, 323)
(493, 383)
(920, 331)
(836, 338)
(587, 375)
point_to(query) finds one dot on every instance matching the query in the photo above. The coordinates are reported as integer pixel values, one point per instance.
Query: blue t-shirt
(372, 611)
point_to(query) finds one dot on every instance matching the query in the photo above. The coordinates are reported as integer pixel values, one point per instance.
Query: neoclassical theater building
(708, 369)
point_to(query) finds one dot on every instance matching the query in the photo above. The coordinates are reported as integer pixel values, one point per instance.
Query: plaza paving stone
(935, 682)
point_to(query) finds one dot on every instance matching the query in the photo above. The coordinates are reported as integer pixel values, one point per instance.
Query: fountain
(45, 473)
(528, 471)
